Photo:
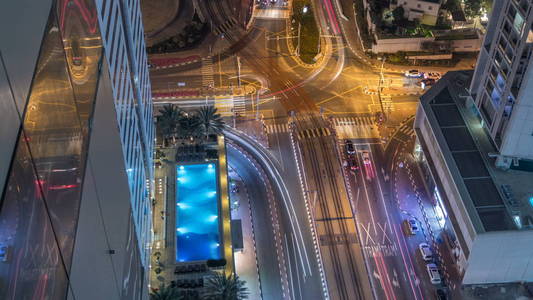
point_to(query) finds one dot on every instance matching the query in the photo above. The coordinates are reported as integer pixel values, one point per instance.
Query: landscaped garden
(190, 36)
(303, 18)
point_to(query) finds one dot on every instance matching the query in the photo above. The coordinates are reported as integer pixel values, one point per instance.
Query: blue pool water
(197, 224)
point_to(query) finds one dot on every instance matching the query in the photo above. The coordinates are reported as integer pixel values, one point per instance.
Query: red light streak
(332, 16)
(62, 187)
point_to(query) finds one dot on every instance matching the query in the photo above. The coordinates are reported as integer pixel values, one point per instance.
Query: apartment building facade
(503, 82)
(76, 159)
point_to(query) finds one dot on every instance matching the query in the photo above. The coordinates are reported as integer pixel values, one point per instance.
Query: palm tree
(220, 287)
(211, 120)
(169, 119)
(189, 127)
(165, 293)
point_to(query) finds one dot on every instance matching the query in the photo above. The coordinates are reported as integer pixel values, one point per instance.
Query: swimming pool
(197, 224)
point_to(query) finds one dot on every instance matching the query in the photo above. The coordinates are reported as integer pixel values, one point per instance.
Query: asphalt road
(296, 257)
(366, 243)
(269, 271)
(395, 266)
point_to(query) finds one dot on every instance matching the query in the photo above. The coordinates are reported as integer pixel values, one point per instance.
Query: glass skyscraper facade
(76, 153)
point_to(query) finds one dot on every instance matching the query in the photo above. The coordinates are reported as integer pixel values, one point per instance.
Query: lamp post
(381, 80)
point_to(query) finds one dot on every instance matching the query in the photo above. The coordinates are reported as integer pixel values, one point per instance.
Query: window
(418, 5)
(518, 22)
(430, 8)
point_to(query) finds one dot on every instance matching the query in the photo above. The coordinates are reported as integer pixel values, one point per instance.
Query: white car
(413, 74)
(432, 75)
(425, 251)
(433, 272)
(412, 226)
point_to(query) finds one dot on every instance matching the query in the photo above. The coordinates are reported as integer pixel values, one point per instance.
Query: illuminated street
(266, 149)
(363, 250)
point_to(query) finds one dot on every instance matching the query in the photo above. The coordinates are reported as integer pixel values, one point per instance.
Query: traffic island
(304, 29)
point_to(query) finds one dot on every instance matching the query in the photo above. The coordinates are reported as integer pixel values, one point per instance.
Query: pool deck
(225, 209)
(164, 218)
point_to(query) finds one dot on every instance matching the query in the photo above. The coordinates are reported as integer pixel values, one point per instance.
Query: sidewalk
(245, 260)
(163, 234)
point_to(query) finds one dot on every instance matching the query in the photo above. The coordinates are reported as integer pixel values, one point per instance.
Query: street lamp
(381, 80)
(305, 9)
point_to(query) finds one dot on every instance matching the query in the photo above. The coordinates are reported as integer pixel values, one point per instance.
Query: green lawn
(309, 34)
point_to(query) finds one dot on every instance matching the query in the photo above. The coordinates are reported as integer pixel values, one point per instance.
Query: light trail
(380, 274)
(404, 261)
(332, 16)
(275, 176)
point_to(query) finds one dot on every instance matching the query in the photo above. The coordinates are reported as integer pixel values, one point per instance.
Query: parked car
(352, 164)
(432, 75)
(366, 157)
(425, 251)
(350, 148)
(426, 82)
(413, 74)
(411, 226)
(433, 272)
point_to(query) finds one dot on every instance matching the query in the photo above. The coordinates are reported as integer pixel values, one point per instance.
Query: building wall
(469, 45)
(500, 71)
(426, 7)
(416, 45)
(424, 11)
(105, 221)
(501, 257)
(483, 57)
(74, 174)
(456, 206)
(18, 57)
(128, 71)
(518, 136)
(395, 45)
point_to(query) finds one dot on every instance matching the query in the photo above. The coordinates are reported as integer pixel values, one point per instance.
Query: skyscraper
(76, 153)
(503, 82)
(474, 146)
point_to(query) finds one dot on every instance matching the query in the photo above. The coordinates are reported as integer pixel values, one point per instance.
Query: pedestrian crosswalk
(345, 127)
(312, 133)
(239, 105)
(353, 121)
(226, 26)
(388, 105)
(207, 72)
(277, 128)
(224, 106)
(300, 134)
(405, 132)
(355, 127)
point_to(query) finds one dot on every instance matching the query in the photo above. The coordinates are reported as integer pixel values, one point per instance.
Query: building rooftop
(495, 199)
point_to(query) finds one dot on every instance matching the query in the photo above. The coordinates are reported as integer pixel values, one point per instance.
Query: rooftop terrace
(497, 199)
